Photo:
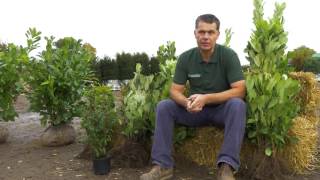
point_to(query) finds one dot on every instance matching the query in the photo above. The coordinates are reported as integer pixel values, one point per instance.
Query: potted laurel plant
(98, 119)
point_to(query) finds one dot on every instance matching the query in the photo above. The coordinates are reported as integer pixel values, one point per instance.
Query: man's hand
(195, 103)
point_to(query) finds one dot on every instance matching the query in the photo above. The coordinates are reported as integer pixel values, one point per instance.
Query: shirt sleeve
(234, 70)
(180, 75)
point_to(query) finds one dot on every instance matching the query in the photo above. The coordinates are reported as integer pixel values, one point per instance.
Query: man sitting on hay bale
(217, 89)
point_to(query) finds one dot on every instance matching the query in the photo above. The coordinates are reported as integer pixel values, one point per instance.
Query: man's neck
(206, 55)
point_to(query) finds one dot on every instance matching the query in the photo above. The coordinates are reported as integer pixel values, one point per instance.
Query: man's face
(206, 35)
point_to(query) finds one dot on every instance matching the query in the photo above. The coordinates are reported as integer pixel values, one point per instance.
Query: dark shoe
(158, 173)
(225, 172)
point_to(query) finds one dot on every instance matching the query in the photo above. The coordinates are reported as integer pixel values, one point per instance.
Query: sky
(115, 26)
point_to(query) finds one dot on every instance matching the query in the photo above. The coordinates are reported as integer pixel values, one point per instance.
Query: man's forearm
(217, 98)
(179, 98)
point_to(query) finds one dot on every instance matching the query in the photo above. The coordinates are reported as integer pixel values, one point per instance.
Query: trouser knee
(238, 102)
(237, 106)
(164, 105)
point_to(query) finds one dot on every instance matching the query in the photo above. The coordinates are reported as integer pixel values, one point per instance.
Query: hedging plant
(312, 65)
(144, 92)
(99, 118)
(58, 78)
(13, 61)
(271, 93)
(143, 95)
(126, 66)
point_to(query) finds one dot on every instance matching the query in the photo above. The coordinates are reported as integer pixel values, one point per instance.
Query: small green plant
(58, 79)
(13, 62)
(99, 118)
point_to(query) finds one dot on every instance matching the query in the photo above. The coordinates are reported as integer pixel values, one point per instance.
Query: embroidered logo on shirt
(194, 75)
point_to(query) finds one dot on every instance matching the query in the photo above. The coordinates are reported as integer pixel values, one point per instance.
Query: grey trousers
(230, 115)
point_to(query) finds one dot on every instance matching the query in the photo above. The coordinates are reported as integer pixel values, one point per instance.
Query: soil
(22, 157)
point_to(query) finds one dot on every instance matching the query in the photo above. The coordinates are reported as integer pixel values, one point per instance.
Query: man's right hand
(193, 104)
(192, 107)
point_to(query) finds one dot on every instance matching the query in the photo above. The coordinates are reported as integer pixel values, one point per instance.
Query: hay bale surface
(204, 147)
(309, 95)
(302, 156)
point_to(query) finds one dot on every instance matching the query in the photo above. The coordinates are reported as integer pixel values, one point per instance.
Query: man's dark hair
(208, 18)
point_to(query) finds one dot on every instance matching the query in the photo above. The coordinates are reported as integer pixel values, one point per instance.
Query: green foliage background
(300, 56)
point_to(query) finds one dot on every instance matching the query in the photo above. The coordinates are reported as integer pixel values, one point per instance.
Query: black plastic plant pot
(101, 166)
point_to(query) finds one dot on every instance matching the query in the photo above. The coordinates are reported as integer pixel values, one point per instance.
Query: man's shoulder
(225, 49)
(188, 53)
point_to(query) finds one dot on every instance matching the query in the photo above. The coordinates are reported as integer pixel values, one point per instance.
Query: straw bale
(309, 94)
(203, 149)
(302, 155)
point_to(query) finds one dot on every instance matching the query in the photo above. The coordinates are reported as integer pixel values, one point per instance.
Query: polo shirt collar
(213, 57)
